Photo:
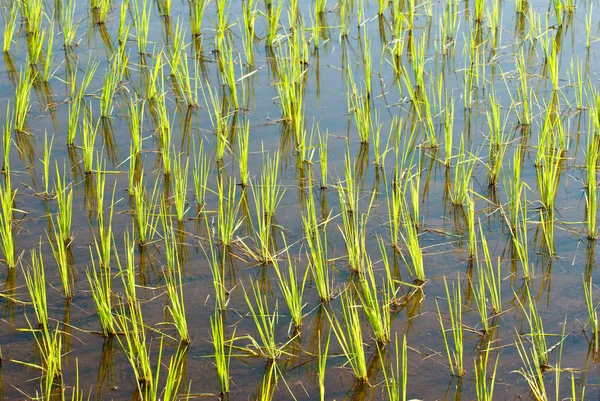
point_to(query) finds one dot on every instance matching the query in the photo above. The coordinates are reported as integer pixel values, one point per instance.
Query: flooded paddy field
(298, 200)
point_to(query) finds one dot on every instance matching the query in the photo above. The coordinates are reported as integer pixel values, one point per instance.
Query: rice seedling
(472, 234)
(465, 164)
(112, 78)
(360, 106)
(219, 119)
(377, 311)
(348, 331)
(7, 139)
(136, 123)
(397, 378)
(174, 285)
(7, 235)
(45, 161)
(497, 140)
(410, 237)
(180, 176)
(35, 279)
(222, 356)
(188, 92)
(354, 233)
(145, 217)
(61, 255)
(484, 390)
(130, 322)
(292, 288)
(592, 323)
(520, 241)
(228, 211)
(128, 272)
(491, 275)
(537, 334)
(10, 25)
(100, 9)
(454, 351)
(265, 321)
(105, 239)
(64, 201)
(200, 173)
(290, 89)
(591, 193)
(243, 139)
(197, 8)
(88, 138)
(142, 11)
(273, 14)
(69, 26)
(316, 239)
(227, 69)
(48, 61)
(531, 371)
(322, 365)
(22, 98)
(323, 144)
(100, 281)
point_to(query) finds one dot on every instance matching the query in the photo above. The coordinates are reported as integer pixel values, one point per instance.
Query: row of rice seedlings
(228, 220)
(22, 98)
(7, 235)
(484, 390)
(454, 350)
(396, 379)
(316, 239)
(292, 288)
(180, 177)
(174, 285)
(35, 279)
(348, 331)
(592, 322)
(222, 356)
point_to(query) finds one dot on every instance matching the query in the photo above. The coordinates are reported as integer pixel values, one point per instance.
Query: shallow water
(104, 370)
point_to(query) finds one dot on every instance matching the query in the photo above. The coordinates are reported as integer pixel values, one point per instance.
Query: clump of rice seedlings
(323, 145)
(273, 15)
(592, 323)
(136, 123)
(112, 77)
(360, 106)
(515, 190)
(200, 173)
(217, 269)
(197, 8)
(377, 311)
(10, 25)
(497, 140)
(316, 239)
(548, 177)
(219, 119)
(77, 99)
(484, 390)
(531, 370)
(524, 92)
(537, 334)
(292, 288)
(100, 281)
(322, 365)
(130, 322)
(222, 355)
(124, 27)
(104, 241)
(454, 350)
(348, 331)
(128, 273)
(410, 237)
(291, 88)
(227, 69)
(164, 7)
(471, 227)
(448, 131)
(243, 140)
(354, 233)
(591, 193)
(69, 26)
(180, 70)
(64, 201)
(45, 162)
(35, 279)
(61, 255)
(35, 43)
(465, 164)
(180, 176)
(397, 378)
(100, 9)
(228, 212)
(175, 290)
(7, 139)
(142, 11)
(265, 320)
(145, 218)
(88, 139)
(48, 61)
(22, 98)
(491, 275)
(222, 22)
(588, 28)
(7, 235)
